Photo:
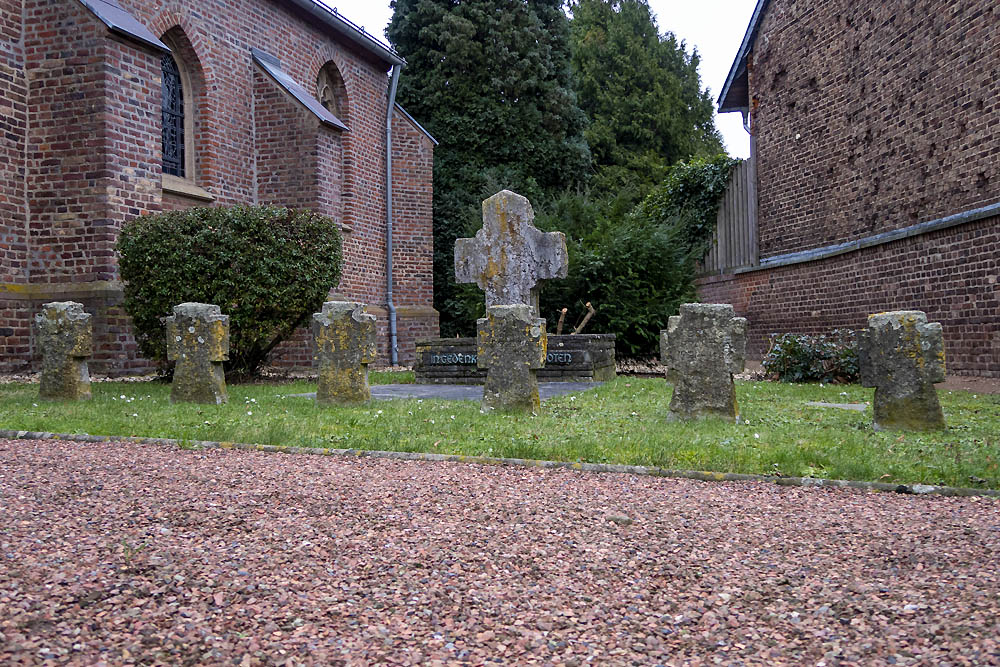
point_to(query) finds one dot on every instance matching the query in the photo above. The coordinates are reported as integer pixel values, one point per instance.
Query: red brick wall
(91, 157)
(952, 274)
(873, 116)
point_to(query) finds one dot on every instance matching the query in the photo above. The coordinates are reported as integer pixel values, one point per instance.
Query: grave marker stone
(198, 340)
(65, 338)
(702, 348)
(345, 345)
(509, 256)
(511, 346)
(901, 354)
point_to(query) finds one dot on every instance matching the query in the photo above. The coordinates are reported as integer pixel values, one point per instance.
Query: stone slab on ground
(462, 392)
(857, 407)
(368, 561)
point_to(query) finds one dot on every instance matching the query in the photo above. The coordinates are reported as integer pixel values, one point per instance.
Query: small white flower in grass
(746, 421)
(35, 404)
(123, 396)
(409, 412)
(135, 414)
(453, 416)
(756, 436)
(432, 421)
(249, 412)
(572, 398)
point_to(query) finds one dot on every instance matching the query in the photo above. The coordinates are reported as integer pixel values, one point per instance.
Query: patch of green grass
(620, 422)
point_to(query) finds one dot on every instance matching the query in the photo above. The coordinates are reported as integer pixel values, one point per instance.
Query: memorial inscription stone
(901, 354)
(511, 347)
(345, 345)
(702, 348)
(198, 340)
(65, 339)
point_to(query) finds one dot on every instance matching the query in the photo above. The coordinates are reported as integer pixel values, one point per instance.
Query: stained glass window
(173, 118)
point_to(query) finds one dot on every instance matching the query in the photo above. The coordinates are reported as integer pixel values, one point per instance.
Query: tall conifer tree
(641, 93)
(491, 80)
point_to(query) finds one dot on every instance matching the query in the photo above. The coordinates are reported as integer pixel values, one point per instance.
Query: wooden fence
(734, 245)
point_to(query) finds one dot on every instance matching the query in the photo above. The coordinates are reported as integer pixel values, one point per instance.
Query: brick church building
(875, 170)
(110, 109)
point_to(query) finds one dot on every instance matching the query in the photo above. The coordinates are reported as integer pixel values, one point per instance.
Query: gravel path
(123, 553)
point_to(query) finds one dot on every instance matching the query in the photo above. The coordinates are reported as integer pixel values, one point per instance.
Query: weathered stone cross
(901, 354)
(65, 338)
(198, 340)
(509, 256)
(345, 345)
(702, 348)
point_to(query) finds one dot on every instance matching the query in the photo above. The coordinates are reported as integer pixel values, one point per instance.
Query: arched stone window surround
(330, 58)
(332, 92)
(192, 82)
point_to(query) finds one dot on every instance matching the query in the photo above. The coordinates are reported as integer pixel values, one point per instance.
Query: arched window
(174, 120)
(331, 91)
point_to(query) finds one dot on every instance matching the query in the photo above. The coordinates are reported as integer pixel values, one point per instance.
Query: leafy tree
(641, 93)
(268, 268)
(491, 80)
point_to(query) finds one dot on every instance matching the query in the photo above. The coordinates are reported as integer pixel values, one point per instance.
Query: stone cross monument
(509, 257)
(901, 354)
(511, 345)
(702, 348)
(198, 340)
(345, 345)
(65, 338)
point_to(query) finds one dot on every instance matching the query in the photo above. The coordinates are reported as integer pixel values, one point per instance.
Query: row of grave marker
(901, 354)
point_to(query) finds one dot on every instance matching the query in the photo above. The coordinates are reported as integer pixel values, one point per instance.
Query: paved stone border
(700, 475)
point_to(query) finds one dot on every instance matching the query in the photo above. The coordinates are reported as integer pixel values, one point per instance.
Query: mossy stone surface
(511, 345)
(65, 339)
(901, 354)
(198, 341)
(702, 348)
(344, 337)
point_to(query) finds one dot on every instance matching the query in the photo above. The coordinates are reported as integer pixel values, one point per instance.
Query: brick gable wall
(871, 117)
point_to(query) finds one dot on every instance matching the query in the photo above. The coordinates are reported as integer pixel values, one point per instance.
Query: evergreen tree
(641, 93)
(491, 80)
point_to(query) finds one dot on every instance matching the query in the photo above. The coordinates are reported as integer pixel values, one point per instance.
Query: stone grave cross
(509, 256)
(198, 340)
(511, 345)
(345, 345)
(702, 348)
(65, 338)
(901, 354)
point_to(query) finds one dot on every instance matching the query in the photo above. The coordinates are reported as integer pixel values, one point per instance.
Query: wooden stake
(559, 324)
(590, 313)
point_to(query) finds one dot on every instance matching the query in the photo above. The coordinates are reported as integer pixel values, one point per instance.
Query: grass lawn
(620, 422)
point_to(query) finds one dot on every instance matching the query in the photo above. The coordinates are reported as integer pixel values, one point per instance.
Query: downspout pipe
(390, 305)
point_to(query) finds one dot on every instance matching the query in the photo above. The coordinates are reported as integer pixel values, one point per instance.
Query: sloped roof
(330, 18)
(119, 21)
(735, 94)
(272, 66)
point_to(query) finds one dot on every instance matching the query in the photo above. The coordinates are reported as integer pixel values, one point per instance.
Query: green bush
(635, 263)
(803, 358)
(267, 267)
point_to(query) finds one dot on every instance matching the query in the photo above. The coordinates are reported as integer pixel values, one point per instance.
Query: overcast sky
(714, 27)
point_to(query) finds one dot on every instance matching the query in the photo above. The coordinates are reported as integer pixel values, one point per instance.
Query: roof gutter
(332, 19)
(390, 306)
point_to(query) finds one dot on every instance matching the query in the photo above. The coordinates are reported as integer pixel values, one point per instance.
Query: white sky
(714, 27)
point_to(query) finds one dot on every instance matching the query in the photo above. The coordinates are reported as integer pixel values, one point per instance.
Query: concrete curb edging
(699, 475)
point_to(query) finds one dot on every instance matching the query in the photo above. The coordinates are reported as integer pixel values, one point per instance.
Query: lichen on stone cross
(901, 354)
(509, 256)
(511, 345)
(65, 339)
(702, 348)
(198, 341)
(344, 336)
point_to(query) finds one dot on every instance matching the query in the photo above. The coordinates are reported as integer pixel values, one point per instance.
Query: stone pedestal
(65, 338)
(702, 348)
(511, 346)
(901, 354)
(198, 341)
(345, 345)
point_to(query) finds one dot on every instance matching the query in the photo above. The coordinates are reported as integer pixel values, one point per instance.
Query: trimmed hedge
(268, 268)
